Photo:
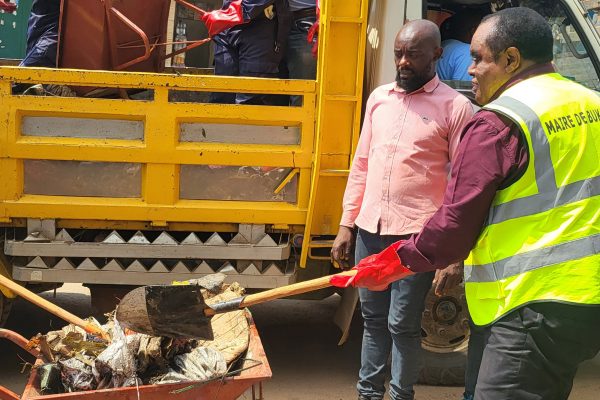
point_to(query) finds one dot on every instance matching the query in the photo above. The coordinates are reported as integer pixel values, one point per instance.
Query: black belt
(304, 13)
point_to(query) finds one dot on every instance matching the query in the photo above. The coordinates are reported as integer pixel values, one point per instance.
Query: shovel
(180, 310)
(52, 308)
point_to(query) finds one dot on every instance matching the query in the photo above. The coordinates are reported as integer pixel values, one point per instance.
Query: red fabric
(313, 33)
(376, 271)
(8, 7)
(218, 20)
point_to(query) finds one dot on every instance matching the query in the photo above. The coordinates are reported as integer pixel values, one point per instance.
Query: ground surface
(300, 340)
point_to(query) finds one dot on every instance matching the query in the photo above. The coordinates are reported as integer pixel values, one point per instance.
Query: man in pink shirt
(409, 138)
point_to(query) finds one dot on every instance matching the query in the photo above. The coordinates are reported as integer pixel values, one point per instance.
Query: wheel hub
(445, 310)
(445, 324)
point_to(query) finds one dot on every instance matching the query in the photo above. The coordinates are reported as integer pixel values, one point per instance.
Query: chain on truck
(156, 184)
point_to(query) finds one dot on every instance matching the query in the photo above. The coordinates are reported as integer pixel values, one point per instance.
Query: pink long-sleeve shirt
(400, 169)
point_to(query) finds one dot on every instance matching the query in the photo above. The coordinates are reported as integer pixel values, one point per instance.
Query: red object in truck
(7, 6)
(112, 35)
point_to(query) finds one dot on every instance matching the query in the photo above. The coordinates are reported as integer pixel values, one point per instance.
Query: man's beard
(416, 81)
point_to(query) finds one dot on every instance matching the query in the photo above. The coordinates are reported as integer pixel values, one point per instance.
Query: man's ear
(437, 54)
(513, 59)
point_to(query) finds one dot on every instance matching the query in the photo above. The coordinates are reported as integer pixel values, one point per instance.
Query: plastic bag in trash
(116, 365)
(201, 364)
(49, 379)
(76, 374)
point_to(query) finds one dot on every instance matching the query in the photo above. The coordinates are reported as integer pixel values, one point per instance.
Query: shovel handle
(290, 290)
(51, 308)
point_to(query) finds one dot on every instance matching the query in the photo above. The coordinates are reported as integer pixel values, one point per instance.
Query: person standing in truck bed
(253, 48)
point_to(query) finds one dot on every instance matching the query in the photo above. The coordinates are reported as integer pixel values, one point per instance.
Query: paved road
(300, 341)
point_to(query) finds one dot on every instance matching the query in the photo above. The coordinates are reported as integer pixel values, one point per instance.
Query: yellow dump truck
(123, 192)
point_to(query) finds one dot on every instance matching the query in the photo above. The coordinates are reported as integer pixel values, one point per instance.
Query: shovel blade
(172, 311)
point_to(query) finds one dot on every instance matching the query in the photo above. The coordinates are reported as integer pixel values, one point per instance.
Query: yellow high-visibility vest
(541, 240)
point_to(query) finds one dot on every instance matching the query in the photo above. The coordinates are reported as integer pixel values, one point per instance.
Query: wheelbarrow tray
(221, 389)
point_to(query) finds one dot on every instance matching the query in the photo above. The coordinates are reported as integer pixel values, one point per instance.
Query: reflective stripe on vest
(550, 196)
(542, 237)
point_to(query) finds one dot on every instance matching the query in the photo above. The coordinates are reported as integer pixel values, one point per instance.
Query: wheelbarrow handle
(19, 341)
(191, 6)
(141, 34)
(6, 394)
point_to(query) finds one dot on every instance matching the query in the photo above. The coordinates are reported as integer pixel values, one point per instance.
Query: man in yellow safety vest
(523, 208)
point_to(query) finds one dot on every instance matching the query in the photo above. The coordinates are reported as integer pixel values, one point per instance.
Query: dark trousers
(42, 34)
(392, 325)
(533, 352)
(477, 341)
(248, 50)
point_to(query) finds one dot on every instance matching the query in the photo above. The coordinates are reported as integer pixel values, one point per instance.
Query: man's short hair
(523, 28)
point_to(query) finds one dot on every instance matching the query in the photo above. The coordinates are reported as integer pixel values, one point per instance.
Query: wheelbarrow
(254, 369)
(116, 35)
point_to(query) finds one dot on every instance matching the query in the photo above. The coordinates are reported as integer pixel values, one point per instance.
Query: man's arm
(353, 196)
(489, 154)
(461, 118)
(447, 278)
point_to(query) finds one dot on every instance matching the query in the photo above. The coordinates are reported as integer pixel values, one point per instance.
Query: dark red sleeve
(491, 156)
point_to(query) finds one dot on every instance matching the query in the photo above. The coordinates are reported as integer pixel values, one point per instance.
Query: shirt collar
(530, 72)
(427, 88)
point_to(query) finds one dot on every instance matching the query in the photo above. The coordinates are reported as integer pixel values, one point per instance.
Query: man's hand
(376, 271)
(269, 12)
(342, 246)
(447, 278)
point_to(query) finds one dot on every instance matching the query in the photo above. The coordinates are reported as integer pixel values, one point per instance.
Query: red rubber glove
(377, 271)
(7, 7)
(218, 20)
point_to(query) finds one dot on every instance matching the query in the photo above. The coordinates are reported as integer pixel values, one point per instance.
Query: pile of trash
(78, 361)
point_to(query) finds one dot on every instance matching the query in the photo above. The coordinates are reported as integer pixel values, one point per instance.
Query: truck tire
(445, 338)
(5, 305)
(444, 369)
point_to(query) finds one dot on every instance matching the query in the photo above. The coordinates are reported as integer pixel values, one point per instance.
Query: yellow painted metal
(342, 38)
(213, 211)
(160, 152)
(286, 180)
(329, 121)
(145, 80)
(335, 172)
